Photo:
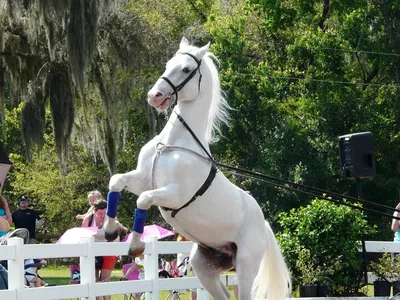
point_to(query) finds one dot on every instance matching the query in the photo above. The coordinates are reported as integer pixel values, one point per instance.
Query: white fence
(16, 252)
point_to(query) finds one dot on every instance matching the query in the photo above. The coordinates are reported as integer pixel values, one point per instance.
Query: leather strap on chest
(200, 192)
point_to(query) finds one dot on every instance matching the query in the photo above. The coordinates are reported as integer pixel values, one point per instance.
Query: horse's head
(182, 75)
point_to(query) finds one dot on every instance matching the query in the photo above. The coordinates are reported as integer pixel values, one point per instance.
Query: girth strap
(200, 192)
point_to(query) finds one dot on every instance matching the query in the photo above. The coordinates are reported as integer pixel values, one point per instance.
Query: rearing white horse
(176, 172)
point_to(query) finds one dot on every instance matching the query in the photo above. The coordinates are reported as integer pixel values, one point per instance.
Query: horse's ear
(202, 51)
(184, 43)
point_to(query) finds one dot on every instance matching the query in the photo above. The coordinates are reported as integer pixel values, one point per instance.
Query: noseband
(177, 88)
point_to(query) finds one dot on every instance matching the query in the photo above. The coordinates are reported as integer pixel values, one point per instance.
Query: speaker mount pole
(358, 187)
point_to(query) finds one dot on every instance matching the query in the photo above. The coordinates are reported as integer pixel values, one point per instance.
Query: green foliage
(313, 273)
(321, 242)
(298, 78)
(387, 267)
(59, 197)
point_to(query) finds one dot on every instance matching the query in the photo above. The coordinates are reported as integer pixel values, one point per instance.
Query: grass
(60, 276)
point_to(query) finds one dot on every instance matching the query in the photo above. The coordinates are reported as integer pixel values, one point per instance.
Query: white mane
(219, 108)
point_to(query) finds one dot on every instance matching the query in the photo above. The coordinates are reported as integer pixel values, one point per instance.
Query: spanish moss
(33, 118)
(87, 55)
(76, 41)
(59, 93)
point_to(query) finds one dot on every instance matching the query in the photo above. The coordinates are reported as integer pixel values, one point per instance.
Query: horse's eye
(186, 70)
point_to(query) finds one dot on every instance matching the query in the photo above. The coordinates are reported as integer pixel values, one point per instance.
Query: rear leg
(224, 289)
(208, 268)
(248, 258)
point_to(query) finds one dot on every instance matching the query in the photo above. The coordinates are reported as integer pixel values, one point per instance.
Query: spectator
(184, 265)
(5, 216)
(396, 228)
(139, 261)
(104, 264)
(235, 287)
(31, 275)
(4, 226)
(182, 260)
(395, 224)
(93, 196)
(136, 266)
(25, 217)
(3, 278)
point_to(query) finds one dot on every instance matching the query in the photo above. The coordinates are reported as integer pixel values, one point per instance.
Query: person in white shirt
(104, 264)
(31, 268)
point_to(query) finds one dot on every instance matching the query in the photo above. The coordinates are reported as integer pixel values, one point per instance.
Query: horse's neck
(195, 114)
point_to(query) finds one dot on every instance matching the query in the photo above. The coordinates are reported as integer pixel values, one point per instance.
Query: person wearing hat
(25, 217)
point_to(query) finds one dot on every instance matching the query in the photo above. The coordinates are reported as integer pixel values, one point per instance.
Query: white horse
(226, 223)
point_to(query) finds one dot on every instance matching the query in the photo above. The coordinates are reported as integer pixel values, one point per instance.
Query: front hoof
(111, 231)
(136, 250)
(111, 236)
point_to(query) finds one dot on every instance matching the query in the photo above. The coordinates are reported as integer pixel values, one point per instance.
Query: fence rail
(16, 252)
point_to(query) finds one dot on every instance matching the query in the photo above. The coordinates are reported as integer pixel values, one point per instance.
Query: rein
(177, 88)
(339, 199)
(296, 187)
(279, 183)
(195, 138)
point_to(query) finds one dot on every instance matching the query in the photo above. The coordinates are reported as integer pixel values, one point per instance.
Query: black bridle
(177, 88)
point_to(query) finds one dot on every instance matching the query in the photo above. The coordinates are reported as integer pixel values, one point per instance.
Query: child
(31, 275)
(137, 269)
(93, 196)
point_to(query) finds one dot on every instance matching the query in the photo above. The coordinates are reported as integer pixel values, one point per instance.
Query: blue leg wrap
(112, 203)
(140, 218)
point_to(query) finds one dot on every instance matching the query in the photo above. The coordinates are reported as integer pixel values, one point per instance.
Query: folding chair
(75, 274)
(174, 294)
(184, 267)
(20, 232)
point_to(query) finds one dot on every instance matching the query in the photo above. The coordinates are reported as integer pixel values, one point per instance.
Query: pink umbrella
(151, 230)
(72, 236)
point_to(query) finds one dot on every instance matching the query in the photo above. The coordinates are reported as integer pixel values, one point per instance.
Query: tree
(86, 58)
(83, 81)
(312, 236)
(300, 75)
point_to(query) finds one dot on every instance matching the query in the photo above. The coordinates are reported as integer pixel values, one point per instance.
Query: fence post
(202, 294)
(87, 266)
(151, 268)
(16, 267)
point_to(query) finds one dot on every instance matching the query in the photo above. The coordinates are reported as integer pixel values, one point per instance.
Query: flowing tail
(273, 279)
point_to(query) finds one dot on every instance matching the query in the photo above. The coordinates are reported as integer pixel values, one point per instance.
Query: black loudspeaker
(357, 155)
